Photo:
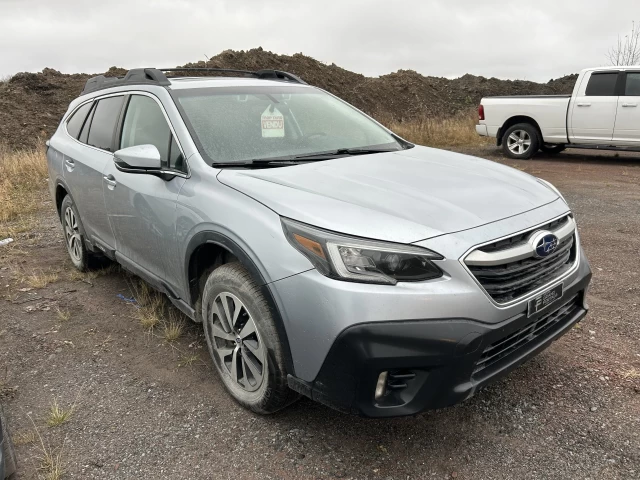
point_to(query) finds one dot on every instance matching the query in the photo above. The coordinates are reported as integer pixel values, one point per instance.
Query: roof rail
(136, 76)
(156, 76)
(261, 74)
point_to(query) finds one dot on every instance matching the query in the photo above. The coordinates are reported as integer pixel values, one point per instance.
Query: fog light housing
(381, 386)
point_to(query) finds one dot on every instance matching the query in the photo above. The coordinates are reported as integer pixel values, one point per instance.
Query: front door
(142, 207)
(627, 130)
(594, 108)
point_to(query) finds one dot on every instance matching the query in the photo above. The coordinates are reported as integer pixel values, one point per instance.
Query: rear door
(593, 114)
(627, 129)
(142, 207)
(84, 163)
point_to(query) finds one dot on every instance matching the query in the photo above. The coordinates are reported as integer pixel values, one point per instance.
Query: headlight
(360, 260)
(551, 187)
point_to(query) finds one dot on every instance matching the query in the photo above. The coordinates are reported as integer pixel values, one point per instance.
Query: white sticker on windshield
(272, 123)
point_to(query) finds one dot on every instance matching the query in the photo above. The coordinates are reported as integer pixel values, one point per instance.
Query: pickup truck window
(632, 88)
(602, 84)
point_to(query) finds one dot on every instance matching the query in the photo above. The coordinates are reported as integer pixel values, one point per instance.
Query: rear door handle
(629, 104)
(110, 180)
(584, 104)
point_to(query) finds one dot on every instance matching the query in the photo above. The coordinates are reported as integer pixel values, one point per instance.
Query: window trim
(623, 90)
(120, 122)
(120, 126)
(617, 89)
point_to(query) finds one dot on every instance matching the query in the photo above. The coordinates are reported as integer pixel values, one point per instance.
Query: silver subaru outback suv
(323, 254)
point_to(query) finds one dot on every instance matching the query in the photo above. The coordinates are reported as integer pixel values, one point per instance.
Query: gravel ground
(140, 411)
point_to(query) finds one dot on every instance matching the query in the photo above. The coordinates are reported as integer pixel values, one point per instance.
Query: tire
(552, 149)
(75, 238)
(521, 141)
(8, 453)
(247, 352)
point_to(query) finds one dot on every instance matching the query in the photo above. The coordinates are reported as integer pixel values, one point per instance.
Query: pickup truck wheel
(243, 341)
(551, 148)
(520, 141)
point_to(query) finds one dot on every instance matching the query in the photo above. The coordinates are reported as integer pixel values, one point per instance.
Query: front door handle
(110, 180)
(584, 104)
(629, 104)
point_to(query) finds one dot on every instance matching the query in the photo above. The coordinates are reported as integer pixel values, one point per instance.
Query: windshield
(240, 124)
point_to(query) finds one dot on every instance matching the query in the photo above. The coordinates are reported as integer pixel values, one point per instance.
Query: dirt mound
(31, 104)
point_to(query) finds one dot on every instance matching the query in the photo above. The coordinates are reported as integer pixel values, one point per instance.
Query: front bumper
(436, 360)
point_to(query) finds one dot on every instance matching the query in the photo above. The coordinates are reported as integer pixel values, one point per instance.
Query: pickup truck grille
(513, 278)
(527, 335)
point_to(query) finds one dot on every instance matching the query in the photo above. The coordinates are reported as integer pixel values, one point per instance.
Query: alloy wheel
(236, 342)
(72, 235)
(519, 142)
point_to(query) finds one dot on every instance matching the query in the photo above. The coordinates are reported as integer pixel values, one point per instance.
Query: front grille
(510, 344)
(509, 281)
(522, 237)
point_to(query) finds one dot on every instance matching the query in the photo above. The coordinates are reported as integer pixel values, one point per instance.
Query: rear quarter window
(602, 84)
(74, 124)
(104, 121)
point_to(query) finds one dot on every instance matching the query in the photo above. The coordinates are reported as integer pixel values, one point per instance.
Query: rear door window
(104, 121)
(632, 88)
(602, 84)
(74, 124)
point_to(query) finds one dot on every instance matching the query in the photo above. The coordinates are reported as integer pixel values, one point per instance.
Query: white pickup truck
(602, 112)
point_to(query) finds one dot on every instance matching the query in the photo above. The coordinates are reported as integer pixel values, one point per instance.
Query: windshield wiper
(297, 159)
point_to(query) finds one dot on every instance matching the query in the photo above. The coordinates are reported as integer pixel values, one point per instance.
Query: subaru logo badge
(544, 243)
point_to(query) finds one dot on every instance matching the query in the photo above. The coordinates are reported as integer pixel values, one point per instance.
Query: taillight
(481, 112)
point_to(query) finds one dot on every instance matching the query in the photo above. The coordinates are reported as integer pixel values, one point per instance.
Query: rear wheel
(243, 341)
(552, 148)
(520, 141)
(74, 236)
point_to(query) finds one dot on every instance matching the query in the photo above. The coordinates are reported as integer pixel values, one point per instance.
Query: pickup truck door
(593, 110)
(627, 130)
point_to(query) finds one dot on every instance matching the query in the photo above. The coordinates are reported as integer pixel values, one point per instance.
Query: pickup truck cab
(602, 112)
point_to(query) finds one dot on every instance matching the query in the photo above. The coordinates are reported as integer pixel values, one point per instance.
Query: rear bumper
(482, 130)
(435, 360)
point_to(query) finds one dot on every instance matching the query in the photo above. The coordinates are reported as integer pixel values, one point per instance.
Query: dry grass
(173, 329)
(24, 437)
(188, 360)
(151, 304)
(40, 279)
(631, 373)
(58, 415)
(23, 175)
(456, 131)
(50, 462)
(63, 315)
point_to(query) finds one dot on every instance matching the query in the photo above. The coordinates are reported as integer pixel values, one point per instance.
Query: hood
(403, 196)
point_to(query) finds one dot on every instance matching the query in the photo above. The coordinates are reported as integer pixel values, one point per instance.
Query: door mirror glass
(140, 157)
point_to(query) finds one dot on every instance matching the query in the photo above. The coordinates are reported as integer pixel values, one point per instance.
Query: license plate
(545, 299)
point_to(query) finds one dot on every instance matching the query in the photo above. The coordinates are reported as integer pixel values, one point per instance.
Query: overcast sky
(507, 39)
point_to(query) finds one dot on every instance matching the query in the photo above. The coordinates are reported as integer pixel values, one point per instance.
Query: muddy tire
(521, 141)
(243, 341)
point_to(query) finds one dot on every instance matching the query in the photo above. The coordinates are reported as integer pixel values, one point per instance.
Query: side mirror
(140, 157)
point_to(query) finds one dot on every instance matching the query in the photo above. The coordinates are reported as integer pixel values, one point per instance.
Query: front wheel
(243, 341)
(520, 141)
